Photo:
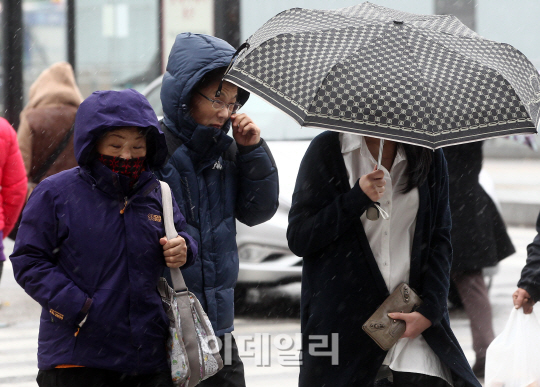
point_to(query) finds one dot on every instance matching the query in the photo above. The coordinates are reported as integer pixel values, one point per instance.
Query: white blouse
(391, 242)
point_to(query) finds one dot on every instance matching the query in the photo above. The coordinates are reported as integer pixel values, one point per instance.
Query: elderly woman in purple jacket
(91, 248)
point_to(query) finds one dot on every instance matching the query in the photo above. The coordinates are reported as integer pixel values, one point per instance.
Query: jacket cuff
(532, 288)
(258, 164)
(430, 313)
(356, 201)
(191, 250)
(248, 148)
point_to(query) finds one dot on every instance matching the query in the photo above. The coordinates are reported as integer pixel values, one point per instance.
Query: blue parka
(213, 183)
(77, 255)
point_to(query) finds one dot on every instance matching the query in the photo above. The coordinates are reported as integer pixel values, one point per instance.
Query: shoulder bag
(192, 345)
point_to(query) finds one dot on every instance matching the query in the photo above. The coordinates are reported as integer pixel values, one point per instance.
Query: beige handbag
(384, 330)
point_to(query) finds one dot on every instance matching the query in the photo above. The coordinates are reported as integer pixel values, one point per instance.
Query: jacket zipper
(125, 205)
(190, 203)
(146, 192)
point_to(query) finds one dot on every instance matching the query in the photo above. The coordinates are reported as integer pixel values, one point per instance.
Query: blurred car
(265, 258)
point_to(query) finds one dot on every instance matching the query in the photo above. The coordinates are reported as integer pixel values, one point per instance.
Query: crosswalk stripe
(23, 373)
(25, 343)
(24, 381)
(18, 355)
(6, 359)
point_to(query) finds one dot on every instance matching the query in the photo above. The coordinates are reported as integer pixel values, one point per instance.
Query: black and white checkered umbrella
(420, 79)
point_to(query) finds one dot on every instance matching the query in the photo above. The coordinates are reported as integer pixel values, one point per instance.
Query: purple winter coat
(75, 250)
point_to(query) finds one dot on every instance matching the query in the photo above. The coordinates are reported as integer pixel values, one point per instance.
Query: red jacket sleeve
(12, 178)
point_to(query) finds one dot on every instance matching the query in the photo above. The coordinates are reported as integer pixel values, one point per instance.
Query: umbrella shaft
(381, 146)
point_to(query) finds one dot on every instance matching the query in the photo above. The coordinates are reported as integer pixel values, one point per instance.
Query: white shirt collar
(350, 142)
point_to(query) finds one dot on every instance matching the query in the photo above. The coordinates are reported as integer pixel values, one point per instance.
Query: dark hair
(210, 77)
(217, 75)
(418, 163)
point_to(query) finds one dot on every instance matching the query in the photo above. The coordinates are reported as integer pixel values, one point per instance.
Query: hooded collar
(191, 57)
(107, 110)
(207, 144)
(55, 86)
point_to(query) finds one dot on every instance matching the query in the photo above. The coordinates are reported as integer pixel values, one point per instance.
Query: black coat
(479, 237)
(530, 275)
(341, 282)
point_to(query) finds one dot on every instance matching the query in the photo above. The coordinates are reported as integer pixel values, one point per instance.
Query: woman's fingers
(375, 175)
(174, 251)
(522, 298)
(245, 131)
(175, 262)
(373, 184)
(415, 322)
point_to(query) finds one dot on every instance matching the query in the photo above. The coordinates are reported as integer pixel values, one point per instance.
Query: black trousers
(93, 377)
(409, 379)
(232, 373)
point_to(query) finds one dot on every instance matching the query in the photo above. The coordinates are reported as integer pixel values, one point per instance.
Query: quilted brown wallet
(384, 330)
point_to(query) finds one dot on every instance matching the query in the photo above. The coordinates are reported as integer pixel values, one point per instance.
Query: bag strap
(52, 157)
(170, 231)
(182, 295)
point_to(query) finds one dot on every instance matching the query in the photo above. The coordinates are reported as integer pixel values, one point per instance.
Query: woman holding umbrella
(412, 79)
(352, 263)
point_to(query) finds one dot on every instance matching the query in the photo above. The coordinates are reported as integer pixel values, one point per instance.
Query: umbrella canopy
(419, 79)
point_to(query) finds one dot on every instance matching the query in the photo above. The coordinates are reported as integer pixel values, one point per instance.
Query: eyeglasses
(218, 105)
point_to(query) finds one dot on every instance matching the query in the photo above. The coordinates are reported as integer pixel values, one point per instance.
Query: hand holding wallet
(384, 330)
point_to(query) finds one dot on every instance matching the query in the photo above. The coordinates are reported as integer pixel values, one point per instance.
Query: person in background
(91, 249)
(45, 132)
(352, 263)
(528, 292)
(216, 179)
(479, 240)
(12, 185)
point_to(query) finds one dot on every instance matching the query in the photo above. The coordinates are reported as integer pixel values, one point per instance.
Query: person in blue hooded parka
(215, 178)
(91, 248)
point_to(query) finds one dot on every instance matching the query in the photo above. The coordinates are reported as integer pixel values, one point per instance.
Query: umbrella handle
(381, 146)
(242, 46)
(383, 213)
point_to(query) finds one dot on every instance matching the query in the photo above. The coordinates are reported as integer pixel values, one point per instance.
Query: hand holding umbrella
(373, 184)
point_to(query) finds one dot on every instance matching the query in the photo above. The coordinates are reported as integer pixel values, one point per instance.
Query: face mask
(131, 168)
